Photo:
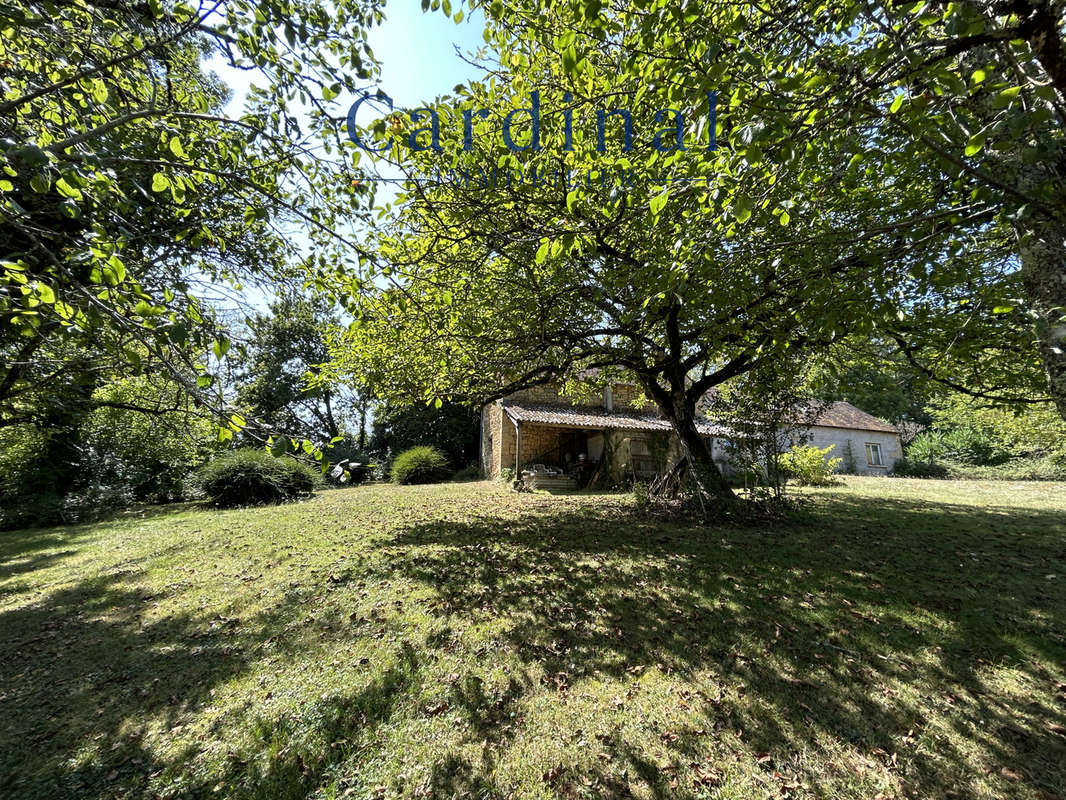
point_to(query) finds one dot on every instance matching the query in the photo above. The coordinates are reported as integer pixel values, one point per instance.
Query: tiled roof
(845, 415)
(838, 415)
(596, 418)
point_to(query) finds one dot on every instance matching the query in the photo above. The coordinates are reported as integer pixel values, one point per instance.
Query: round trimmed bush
(255, 478)
(420, 465)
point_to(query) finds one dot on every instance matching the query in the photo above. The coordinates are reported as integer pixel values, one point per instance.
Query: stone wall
(626, 395)
(547, 393)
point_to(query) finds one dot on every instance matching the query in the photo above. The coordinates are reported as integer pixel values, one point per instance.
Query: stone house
(539, 430)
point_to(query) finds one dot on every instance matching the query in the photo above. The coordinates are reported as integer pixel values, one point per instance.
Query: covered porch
(561, 448)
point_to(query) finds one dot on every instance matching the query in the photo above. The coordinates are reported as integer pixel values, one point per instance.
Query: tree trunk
(680, 410)
(362, 426)
(705, 472)
(1042, 253)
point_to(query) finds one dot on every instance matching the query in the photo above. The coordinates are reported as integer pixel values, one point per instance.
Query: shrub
(913, 468)
(420, 465)
(925, 448)
(470, 473)
(255, 478)
(961, 445)
(1018, 469)
(808, 466)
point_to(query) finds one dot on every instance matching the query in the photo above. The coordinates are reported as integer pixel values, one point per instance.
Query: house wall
(664, 450)
(891, 448)
(546, 393)
(626, 395)
(537, 440)
(497, 440)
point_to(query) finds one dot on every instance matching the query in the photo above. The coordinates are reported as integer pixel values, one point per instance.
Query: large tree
(276, 385)
(684, 266)
(963, 100)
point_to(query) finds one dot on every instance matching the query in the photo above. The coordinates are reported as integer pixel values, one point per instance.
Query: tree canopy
(130, 197)
(610, 245)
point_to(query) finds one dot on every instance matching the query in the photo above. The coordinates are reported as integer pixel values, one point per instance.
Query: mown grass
(903, 638)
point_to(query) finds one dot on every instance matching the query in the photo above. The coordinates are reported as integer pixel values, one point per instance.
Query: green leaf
(114, 271)
(569, 60)
(658, 203)
(542, 252)
(1006, 97)
(46, 293)
(176, 148)
(897, 104)
(742, 209)
(571, 200)
(160, 182)
(784, 219)
(976, 142)
(67, 190)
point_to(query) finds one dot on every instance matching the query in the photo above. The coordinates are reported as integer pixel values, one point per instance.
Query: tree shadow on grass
(856, 625)
(84, 668)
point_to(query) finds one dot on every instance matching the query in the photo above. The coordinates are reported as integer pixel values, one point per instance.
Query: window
(639, 447)
(873, 455)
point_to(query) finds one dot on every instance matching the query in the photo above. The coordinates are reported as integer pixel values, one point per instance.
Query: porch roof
(599, 418)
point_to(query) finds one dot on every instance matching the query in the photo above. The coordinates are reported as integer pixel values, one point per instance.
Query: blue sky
(416, 50)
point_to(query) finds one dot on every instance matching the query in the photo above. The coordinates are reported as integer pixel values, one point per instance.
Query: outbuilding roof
(837, 415)
(598, 418)
(845, 415)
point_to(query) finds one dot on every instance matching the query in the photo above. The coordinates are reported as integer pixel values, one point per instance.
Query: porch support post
(517, 448)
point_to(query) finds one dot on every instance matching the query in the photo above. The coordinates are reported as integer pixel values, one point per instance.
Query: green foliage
(810, 466)
(128, 192)
(962, 445)
(277, 381)
(453, 429)
(125, 443)
(915, 468)
(420, 465)
(1033, 430)
(153, 455)
(975, 440)
(255, 477)
(468, 473)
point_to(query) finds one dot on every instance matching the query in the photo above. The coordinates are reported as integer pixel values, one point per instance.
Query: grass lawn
(905, 638)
